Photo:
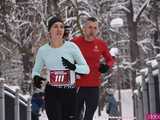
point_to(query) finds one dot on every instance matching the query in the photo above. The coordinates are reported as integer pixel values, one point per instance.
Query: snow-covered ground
(96, 117)
(126, 104)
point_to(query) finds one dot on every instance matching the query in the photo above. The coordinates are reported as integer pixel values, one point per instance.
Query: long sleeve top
(51, 58)
(93, 51)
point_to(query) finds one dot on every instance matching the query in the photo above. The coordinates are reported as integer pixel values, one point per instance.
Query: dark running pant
(88, 96)
(35, 116)
(60, 103)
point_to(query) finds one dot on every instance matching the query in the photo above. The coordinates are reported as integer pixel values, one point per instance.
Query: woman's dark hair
(52, 20)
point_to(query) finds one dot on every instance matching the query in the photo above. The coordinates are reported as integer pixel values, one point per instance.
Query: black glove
(37, 81)
(103, 68)
(68, 64)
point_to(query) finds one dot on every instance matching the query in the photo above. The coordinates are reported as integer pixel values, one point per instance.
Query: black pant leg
(91, 102)
(35, 116)
(69, 104)
(53, 104)
(79, 104)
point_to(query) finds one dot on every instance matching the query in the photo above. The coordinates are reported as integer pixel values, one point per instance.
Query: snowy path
(104, 116)
(96, 117)
(127, 107)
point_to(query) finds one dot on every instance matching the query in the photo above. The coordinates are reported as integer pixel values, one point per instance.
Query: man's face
(90, 30)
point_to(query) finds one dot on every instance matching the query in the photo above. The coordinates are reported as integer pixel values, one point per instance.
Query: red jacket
(92, 52)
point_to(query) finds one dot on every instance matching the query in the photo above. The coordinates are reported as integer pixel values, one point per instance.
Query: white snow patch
(146, 3)
(114, 51)
(154, 63)
(13, 88)
(155, 72)
(158, 55)
(145, 71)
(116, 23)
(139, 80)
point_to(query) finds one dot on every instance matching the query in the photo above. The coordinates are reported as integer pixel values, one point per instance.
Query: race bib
(59, 77)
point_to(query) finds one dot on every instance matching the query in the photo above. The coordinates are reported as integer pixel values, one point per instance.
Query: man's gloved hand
(37, 81)
(68, 64)
(103, 68)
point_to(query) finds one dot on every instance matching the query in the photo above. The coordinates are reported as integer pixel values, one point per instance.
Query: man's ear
(83, 30)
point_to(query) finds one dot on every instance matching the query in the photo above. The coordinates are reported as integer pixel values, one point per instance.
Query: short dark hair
(93, 19)
(85, 20)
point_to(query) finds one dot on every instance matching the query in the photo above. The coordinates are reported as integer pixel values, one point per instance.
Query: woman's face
(57, 31)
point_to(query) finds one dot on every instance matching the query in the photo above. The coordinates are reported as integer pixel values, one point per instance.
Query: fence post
(135, 105)
(2, 98)
(139, 104)
(29, 109)
(152, 101)
(158, 60)
(16, 106)
(144, 95)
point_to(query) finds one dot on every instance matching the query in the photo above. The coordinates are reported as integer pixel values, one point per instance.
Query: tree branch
(137, 17)
(78, 18)
(9, 38)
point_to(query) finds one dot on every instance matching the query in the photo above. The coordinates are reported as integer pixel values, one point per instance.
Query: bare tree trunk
(144, 96)
(134, 50)
(132, 31)
(151, 83)
(3, 12)
(157, 32)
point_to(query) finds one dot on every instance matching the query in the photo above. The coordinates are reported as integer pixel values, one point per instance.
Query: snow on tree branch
(121, 6)
(5, 48)
(106, 79)
(143, 46)
(9, 38)
(74, 2)
(70, 19)
(61, 2)
(127, 65)
(150, 21)
(84, 13)
(124, 8)
(136, 17)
